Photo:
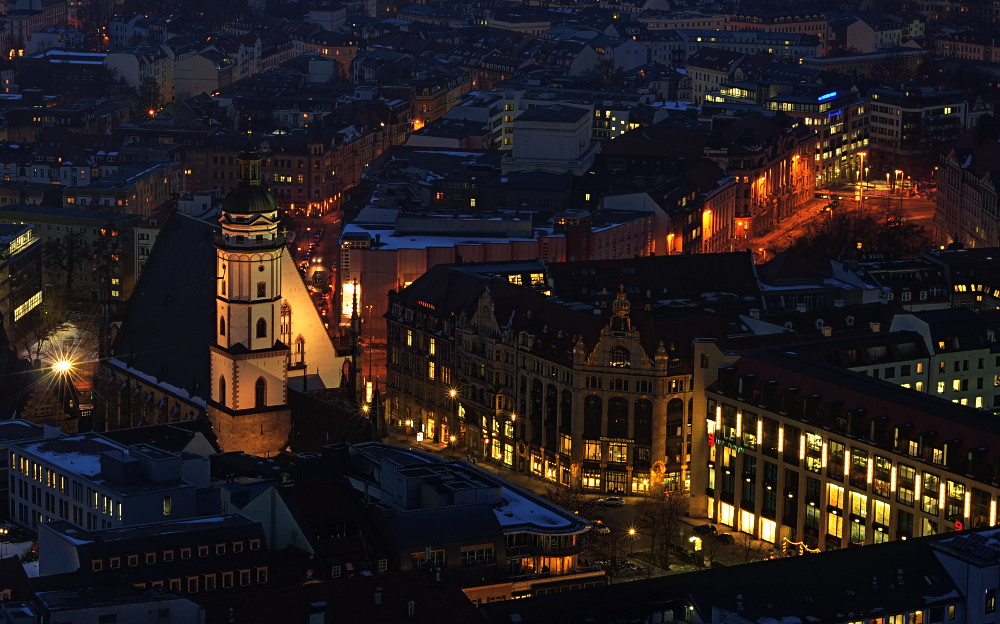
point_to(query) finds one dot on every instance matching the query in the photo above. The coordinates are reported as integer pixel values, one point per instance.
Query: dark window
(261, 328)
(260, 392)
(222, 390)
(617, 417)
(643, 421)
(592, 417)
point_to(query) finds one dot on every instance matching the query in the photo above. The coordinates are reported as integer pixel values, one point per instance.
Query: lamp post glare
(62, 366)
(451, 440)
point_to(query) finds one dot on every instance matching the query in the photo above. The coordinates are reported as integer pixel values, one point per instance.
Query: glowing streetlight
(62, 366)
(365, 408)
(453, 393)
(452, 444)
(632, 533)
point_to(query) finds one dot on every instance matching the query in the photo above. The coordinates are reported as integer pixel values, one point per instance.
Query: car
(611, 501)
(726, 538)
(598, 526)
(706, 529)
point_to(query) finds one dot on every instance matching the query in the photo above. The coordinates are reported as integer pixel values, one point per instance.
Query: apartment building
(791, 449)
(96, 483)
(581, 387)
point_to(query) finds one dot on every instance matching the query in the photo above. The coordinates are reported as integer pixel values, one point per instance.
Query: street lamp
(632, 533)
(453, 417)
(62, 366)
(451, 441)
(899, 188)
(861, 182)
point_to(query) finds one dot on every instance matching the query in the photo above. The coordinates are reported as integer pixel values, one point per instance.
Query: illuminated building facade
(581, 389)
(793, 450)
(774, 169)
(21, 288)
(840, 120)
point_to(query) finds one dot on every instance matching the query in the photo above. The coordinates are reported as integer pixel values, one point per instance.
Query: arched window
(261, 328)
(617, 417)
(222, 390)
(592, 417)
(260, 392)
(620, 356)
(566, 412)
(675, 418)
(222, 326)
(300, 351)
(286, 323)
(643, 421)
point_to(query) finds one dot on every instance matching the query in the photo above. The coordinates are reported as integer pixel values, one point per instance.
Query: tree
(572, 499)
(846, 231)
(659, 517)
(605, 75)
(149, 96)
(751, 549)
(610, 551)
(64, 255)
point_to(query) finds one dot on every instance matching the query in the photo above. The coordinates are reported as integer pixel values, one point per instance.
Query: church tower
(249, 364)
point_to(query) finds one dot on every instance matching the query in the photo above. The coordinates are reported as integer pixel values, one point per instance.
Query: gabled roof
(177, 283)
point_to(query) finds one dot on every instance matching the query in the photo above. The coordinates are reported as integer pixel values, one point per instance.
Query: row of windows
(38, 473)
(208, 582)
(166, 556)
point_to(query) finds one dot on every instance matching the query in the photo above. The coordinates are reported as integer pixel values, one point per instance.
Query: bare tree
(751, 549)
(610, 551)
(660, 519)
(63, 256)
(572, 499)
(710, 549)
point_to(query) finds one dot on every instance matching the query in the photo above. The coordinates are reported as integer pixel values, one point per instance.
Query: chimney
(378, 596)
(755, 313)
(875, 326)
(801, 307)
(838, 303)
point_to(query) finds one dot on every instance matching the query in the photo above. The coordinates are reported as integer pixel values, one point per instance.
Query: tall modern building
(248, 403)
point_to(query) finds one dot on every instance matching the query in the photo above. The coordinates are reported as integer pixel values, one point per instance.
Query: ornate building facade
(596, 396)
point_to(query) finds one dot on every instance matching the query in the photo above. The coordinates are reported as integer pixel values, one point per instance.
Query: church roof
(250, 196)
(248, 199)
(160, 336)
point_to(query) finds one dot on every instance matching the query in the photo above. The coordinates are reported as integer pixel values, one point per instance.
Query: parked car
(611, 501)
(598, 526)
(726, 538)
(706, 529)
